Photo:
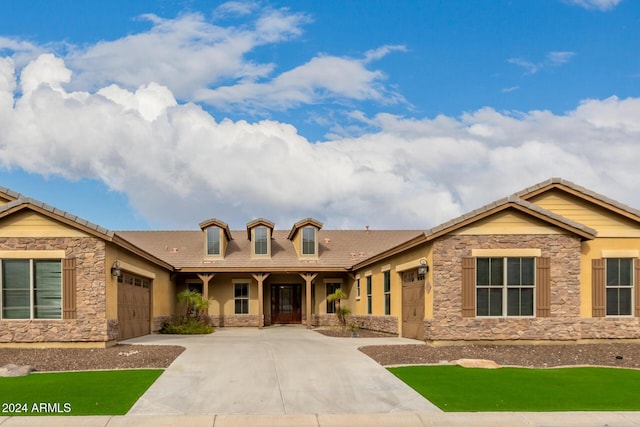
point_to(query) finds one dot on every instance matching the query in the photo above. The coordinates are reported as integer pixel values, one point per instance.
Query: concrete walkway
(276, 370)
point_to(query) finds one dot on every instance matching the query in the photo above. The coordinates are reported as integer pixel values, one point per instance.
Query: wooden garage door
(133, 306)
(413, 305)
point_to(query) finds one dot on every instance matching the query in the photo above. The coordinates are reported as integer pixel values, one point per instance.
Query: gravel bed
(83, 359)
(623, 355)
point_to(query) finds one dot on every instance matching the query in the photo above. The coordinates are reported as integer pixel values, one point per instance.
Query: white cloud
(322, 78)
(602, 5)
(179, 165)
(204, 62)
(552, 59)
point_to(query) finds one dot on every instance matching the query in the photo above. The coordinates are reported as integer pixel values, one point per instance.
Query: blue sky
(403, 114)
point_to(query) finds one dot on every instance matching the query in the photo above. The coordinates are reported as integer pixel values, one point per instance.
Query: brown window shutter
(69, 288)
(597, 288)
(543, 287)
(636, 285)
(468, 287)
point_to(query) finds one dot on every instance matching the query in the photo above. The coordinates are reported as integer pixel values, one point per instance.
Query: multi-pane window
(31, 289)
(358, 288)
(387, 292)
(213, 241)
(308, 241)
(331, 288)
(505, 286)
(261, 240)
(241, 298)
(619, 286)
(369, 298)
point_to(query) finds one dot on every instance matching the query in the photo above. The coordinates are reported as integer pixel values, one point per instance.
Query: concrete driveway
(275, 370)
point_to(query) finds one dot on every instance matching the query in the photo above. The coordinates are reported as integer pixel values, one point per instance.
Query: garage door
(413, 305)
(133, 306)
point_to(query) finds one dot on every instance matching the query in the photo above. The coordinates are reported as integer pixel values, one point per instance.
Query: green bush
(186, 327)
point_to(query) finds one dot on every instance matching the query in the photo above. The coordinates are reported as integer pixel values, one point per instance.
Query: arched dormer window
(213, 241)
(260, 231)
(309, 241)
(304, 236)
(216, 237)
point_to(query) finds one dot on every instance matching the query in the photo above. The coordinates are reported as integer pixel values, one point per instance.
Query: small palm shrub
(194, 322)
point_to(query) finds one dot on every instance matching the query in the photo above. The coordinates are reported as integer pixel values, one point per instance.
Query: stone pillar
(308, 278)
(260, 278)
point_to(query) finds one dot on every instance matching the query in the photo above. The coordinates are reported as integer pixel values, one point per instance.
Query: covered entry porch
(265, 298)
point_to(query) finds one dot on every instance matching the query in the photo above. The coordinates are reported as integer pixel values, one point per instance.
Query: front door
(286, 304)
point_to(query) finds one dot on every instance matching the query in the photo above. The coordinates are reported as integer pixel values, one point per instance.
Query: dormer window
(261, 236)
(213, 241)
(216, 238)
(259, 232)
(304, 236)
(309, 241)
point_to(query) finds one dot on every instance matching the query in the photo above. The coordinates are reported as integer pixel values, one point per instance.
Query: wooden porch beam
(260, 278)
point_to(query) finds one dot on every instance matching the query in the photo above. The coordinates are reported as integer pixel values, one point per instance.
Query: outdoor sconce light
(423, 268)
(115, 269)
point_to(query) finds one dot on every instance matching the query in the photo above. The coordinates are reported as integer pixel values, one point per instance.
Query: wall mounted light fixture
(423, 268)
(115, 269)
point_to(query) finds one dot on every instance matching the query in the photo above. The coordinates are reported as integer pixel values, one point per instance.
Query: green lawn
(75, 393)
(457, 389)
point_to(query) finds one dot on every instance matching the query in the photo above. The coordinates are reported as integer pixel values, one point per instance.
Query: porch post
(260, 278)
(205, 284)
(308, 277)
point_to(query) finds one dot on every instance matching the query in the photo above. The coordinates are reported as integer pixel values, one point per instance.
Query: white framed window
(387, 292)
(357, 287)
(505, 286)
(369, 296)
(261, 241)
(308, 241)
(213, 241)
(330, 289)
(31, 289)
(619, 286)
(241, 298)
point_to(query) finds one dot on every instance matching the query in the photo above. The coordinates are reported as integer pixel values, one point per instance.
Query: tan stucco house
(554, 262)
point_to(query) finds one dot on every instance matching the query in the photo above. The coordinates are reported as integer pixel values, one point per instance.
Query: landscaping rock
(11, 370)
(476, 363)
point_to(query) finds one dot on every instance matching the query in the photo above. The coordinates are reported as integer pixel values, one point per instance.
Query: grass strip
(457, 389)
(75, 393)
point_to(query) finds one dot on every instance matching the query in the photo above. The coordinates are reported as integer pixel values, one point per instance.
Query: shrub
(186, 327)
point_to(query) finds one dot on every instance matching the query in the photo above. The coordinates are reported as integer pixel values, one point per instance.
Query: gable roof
(27, 203)
(581, 192)
(511, 202)
(215, 222)
(259, 221)
(303, 222)
(507, 203)
(8, 195)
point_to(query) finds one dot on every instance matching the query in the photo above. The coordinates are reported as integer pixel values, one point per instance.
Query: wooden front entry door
(286, 304)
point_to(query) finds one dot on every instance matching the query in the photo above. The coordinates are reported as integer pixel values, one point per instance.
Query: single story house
(553, 262)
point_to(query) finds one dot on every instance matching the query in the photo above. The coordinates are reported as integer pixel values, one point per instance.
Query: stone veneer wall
(234, 320)
(324, 320)
(564, 322)
(91, 324)
(388, 324)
